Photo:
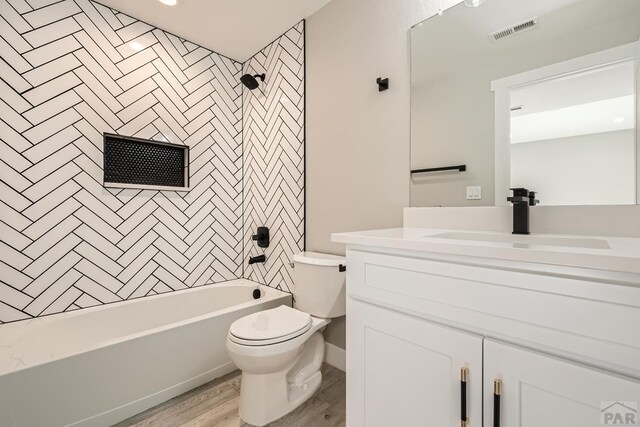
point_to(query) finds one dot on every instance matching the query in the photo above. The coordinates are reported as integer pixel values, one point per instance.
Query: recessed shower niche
(142, 163)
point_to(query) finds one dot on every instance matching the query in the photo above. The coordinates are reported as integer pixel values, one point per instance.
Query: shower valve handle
(261, 237)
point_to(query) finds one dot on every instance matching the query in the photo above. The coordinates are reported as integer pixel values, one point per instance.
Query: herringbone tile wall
(274, 157)
(73, 69)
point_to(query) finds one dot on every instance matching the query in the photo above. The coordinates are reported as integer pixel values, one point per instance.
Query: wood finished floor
(216, 404)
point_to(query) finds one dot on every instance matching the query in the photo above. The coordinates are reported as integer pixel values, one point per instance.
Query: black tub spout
(259, 258)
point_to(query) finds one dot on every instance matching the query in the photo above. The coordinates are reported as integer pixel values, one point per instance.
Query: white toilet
(280, 350)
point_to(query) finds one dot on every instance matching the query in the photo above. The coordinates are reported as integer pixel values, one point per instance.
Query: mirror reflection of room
(540, 95)
(573, 139)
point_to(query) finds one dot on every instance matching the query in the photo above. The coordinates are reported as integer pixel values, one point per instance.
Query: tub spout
(255, 259)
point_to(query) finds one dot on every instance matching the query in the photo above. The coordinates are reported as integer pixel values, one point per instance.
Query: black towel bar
(460, 168)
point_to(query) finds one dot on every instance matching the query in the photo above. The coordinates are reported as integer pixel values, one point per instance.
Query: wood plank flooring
(216, 404)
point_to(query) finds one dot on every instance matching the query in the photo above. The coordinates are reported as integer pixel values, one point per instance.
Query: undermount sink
(525, 240)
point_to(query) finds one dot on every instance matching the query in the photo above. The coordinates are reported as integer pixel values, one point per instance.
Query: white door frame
(502, 90)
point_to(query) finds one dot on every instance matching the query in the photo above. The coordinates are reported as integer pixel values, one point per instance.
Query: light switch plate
(474, 193)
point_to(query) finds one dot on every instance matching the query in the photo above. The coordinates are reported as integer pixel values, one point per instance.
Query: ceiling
(458, 40)
(455, 51)
(593, 101)
(587, 86)
(609, 115)
(237, 29)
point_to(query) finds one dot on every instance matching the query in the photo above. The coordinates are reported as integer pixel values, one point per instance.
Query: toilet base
(265, 398)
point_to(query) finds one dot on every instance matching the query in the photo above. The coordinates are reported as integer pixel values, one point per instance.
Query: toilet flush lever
(342, 268)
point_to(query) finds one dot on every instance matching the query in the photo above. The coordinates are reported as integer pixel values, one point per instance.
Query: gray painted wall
(358, 140)
(357, 137)
(594, 169)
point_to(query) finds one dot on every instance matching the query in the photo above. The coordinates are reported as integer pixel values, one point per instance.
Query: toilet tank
(319, 285)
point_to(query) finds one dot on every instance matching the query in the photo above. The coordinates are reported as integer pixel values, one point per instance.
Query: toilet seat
(270, 326)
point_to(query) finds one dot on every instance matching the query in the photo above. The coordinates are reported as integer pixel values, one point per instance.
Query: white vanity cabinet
(562, 341)
(542, 390)
(408, 372)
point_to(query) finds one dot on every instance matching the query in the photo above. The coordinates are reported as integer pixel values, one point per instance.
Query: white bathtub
(98, 366)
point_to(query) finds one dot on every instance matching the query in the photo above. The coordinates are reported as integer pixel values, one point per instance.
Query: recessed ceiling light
(618, 119)
(474, 3)
(169, 2)
(137, 46)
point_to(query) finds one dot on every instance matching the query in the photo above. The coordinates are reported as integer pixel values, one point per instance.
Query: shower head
(250, 81)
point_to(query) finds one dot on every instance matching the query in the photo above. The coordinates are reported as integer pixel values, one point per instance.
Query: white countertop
(602, 253)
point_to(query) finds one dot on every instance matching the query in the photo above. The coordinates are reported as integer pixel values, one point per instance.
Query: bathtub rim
(273, 294)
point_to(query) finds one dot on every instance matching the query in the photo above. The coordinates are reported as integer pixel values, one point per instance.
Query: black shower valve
(261, 237)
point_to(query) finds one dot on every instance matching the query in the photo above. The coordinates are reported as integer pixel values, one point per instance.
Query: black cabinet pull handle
(497, 392)
(464, 376)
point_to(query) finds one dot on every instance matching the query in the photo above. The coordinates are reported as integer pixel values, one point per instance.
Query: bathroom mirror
(519, 93)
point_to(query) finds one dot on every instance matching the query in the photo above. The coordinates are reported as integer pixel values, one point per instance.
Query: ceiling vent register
(514, 30)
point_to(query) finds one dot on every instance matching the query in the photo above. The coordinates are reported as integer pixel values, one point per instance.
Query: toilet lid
(271, 326)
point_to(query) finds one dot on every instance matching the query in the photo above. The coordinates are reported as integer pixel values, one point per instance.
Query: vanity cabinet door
(541, 390)
(405, 371)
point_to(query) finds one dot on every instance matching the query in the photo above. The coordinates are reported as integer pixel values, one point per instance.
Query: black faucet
(522, 199)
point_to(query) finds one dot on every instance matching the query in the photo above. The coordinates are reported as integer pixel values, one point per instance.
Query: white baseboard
(335, 356)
